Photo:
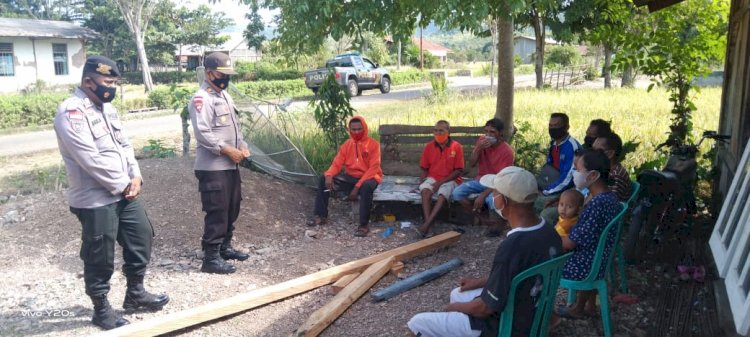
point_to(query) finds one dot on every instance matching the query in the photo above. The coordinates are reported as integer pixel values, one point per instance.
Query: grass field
(635, 115)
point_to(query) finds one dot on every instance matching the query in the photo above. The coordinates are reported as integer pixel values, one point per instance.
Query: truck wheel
(353, 88)
(385, 85)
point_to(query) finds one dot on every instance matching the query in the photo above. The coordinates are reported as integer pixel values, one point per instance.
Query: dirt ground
(42, 290)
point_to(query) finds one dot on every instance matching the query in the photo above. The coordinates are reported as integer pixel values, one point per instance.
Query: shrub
(563, 55)
(30, 109)
(274, 89)
(160, 97)
(409, 76)
(517, 60)
(264, 71)
(162, 77)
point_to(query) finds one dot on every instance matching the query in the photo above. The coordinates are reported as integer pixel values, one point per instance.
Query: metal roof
(44, 28)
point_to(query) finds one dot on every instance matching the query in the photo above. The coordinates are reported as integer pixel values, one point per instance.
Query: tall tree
(114, 36)
(303, 27)
(137, 14)
(65, 10)
(254, 31)
(535, 15)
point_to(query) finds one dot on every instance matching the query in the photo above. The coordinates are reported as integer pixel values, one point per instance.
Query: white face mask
(500, 210)
(579, 179)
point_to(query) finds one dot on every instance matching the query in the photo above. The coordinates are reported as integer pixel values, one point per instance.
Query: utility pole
(398, 65)
(421, 51)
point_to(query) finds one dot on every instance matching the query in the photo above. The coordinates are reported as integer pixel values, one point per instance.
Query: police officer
(220, 148)
(105, 182)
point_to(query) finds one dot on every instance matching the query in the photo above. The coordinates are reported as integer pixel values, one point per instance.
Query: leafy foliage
(156, 149)
(529, 153)
(332, 110)
(254, 31)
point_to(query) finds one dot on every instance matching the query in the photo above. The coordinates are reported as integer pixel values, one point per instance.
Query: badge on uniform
(198, 102)
(223, 119)
(76, 120)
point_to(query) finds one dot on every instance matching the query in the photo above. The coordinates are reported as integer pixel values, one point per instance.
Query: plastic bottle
(388, 231)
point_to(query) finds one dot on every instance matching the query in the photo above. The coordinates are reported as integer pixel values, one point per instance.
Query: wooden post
(258, 297)
(324, 316)
(342, 282)
(397, 268)
(416, 280)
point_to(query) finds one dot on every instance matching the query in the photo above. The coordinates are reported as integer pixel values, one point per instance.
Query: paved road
(24, 143)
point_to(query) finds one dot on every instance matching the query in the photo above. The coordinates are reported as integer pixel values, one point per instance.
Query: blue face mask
(584, 191)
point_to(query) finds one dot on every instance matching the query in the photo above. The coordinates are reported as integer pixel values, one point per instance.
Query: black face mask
(556, 133)
(221, 83)
(588, 141)
(105, 94)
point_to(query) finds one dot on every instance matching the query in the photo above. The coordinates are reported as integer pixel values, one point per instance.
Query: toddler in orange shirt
(568, 208)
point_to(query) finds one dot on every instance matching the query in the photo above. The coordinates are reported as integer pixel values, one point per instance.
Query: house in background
(525, 47)
(191, 56)
(41, 50)
(433, 48)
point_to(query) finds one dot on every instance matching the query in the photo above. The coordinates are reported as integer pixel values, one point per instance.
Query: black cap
(102, 66)
(220, 62)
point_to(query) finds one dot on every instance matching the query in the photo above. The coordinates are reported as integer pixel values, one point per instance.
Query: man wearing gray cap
(105, 182)
(220, 148)
(475, 306)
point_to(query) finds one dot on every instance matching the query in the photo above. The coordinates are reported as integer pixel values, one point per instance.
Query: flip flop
(362, 231)
(564, 312)
(316, 221)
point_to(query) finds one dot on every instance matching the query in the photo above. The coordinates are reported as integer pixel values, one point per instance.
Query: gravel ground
(42, 291)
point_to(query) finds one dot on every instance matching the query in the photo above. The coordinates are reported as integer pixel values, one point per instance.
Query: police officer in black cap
(220, 148)
(105, 182)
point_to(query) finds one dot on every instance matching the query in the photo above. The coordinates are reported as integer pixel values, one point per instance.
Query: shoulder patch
(198, 102)
(75, 114)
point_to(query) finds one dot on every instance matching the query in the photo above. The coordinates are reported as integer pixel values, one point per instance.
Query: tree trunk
(539, 57)
(148, 85)
(179, 59)
(505, 81)
(185, 136)
(628, 80)
(493, 31)
(607, 66)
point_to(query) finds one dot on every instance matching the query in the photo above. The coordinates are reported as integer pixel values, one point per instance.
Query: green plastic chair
(635, 187)
(591, 282)
(550, 272)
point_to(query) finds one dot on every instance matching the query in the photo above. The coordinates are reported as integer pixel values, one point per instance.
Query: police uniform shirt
(99, 159)
(216, 124)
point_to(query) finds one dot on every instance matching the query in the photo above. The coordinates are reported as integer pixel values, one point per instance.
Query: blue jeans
(470, 187)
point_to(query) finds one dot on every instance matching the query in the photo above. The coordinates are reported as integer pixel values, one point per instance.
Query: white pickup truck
(353, 71)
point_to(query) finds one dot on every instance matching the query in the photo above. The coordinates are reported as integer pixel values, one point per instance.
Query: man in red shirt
(492, 154)
(442, 163)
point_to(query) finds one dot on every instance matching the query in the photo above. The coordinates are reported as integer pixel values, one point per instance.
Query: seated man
(492, 154)
(360, 157)
(475, 306)
(597, 128)
(442, 163)
(557, 173)
(619, 179)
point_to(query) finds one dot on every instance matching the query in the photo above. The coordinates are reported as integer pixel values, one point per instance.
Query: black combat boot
(228, 253)
(104, 316)
(137, 297)
(213, 263)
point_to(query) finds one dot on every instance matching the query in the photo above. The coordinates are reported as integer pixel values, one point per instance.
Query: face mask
(357, 136)
(441, 138)
(221, 83)
(105, 94)
(499, 210)
(579, 179)
(491, 139)
(588, 141)
(556, 133)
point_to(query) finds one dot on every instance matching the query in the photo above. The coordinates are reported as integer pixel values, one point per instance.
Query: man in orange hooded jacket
(360, 157)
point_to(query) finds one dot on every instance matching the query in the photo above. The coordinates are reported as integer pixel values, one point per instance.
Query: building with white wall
(39, 50)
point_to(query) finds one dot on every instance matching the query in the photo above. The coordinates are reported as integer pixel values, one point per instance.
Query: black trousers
(124, 222)
(221, 193)
(345, 183)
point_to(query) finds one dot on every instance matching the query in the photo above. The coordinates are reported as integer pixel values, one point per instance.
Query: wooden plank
(324, 316)
(397, 268)
(343, 282)
(253, 299)
(416, 280)
(421, 140)
(396, 129)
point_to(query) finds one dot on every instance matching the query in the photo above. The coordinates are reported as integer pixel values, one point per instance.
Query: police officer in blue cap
(105, 182)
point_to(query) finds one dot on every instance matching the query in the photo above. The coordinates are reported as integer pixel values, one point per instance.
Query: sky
(232, 8)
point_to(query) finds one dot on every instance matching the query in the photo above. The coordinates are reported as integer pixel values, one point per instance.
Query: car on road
(353, 72)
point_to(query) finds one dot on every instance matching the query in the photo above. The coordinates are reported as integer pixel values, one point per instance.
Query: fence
(564, 76)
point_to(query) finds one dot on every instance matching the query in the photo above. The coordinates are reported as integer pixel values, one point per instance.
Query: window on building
(6, 59)
(60, 57)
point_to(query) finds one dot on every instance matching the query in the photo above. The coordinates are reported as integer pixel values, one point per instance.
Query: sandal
(362, 231)
(564, 312)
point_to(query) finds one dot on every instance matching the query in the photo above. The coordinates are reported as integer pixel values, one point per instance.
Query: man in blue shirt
(557, 173)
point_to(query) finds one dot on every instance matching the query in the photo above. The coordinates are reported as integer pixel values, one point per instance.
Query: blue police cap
(102, 66)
